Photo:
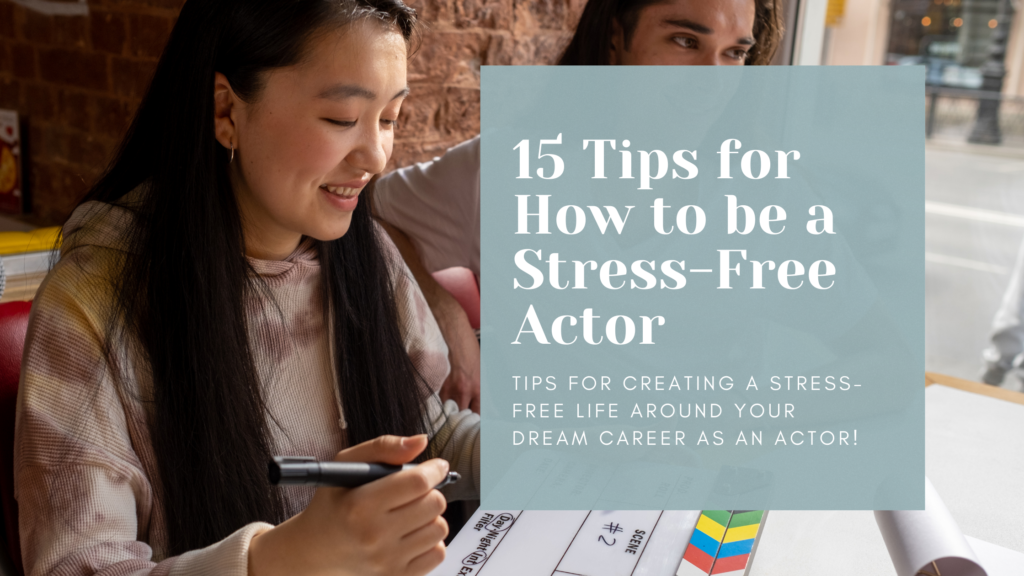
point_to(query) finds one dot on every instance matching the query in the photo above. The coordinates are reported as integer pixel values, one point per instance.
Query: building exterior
(951, 37)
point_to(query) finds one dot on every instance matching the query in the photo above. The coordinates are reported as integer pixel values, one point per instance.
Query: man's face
(688, 32)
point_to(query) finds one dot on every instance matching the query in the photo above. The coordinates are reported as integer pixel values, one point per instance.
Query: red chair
(13, 324)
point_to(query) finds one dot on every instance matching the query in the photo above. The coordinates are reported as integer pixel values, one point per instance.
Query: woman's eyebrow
(343, 91)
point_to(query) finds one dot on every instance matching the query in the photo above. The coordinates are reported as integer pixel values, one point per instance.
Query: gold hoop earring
(232, 159)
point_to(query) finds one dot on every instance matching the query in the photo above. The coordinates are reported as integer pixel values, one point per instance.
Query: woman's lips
(344, 195)
(341, 190)
(344, 198)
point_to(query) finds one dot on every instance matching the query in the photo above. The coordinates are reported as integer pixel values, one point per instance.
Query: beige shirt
(84, 464)
(437, 205)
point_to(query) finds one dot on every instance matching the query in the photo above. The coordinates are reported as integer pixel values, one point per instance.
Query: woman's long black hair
(591, 44)
(181, 294)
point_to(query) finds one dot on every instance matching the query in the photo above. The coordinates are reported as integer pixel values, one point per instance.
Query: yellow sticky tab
(710, 527)
(38, 240)
(741, 533)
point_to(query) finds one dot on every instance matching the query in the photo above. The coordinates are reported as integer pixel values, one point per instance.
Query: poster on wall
(12, 187)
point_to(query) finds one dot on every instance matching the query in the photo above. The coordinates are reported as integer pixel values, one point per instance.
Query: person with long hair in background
(222, 296)
(432, 209)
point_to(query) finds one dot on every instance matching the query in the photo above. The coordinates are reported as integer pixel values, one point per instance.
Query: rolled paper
(916, 538)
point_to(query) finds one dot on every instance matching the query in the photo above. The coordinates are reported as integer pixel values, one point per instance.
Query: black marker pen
(308, 471)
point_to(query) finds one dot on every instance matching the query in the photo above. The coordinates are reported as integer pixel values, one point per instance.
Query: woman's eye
(685, 41)
(393, 124)
(342, 123)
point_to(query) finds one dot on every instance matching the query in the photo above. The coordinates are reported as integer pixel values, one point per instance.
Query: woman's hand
(392, 526)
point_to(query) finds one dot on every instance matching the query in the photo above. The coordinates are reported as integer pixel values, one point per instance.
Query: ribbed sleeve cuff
(229, 557)
(459, 439)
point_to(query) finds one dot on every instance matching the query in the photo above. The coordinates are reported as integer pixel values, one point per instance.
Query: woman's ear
(225, 110)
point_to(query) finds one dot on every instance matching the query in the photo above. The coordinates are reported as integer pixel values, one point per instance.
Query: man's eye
(738, 54)
(342, 123)
(685, 42)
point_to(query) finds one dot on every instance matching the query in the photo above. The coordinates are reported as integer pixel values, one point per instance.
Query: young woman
(432, 210)
(223, 296)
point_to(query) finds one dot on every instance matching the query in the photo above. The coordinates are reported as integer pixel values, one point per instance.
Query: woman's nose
(370, 153)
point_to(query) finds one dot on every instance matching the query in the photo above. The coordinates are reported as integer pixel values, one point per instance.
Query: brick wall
(459, 37)
(78, 79)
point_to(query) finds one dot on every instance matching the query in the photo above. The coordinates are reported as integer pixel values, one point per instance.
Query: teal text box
(825, 318)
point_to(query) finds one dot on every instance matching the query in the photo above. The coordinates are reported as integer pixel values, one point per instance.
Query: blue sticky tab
(706, 543)
(736, 548)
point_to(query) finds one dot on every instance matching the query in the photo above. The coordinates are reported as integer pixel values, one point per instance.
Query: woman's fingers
(418, 513)
(385, 449)
(425, 538)
(427, 561)
(388, 526)
(406, 486)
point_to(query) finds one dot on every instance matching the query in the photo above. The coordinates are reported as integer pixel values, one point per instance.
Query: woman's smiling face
(313, 138)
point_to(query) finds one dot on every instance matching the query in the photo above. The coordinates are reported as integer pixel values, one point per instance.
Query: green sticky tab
(746, 518)
(720, 516)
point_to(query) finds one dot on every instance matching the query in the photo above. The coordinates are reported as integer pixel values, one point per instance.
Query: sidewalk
(974, 225)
